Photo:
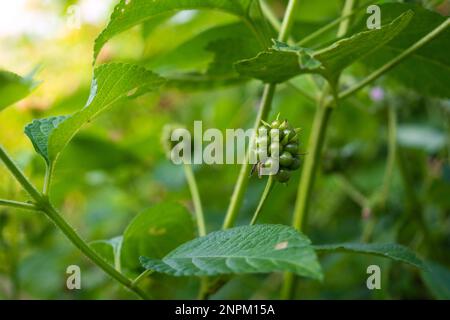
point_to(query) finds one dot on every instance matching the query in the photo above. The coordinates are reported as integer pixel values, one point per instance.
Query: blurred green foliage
(116, 168)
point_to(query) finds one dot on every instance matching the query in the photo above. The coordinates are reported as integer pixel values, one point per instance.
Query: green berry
(286, 159)
(295, 164)
(283, 176)
(292, 148)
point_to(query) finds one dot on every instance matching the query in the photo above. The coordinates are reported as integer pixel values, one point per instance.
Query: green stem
(266, 103)
(242, 182)
(269, 187)
(141, 277)
(195, 199)
(44, 205)
(315, 146)
(394, 62)
(19, 205)
(47, 180)
(19, 175)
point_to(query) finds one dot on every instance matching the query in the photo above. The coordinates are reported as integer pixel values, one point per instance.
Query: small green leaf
(111, 83)
(155, 232)
(422, 137)
(437, 280)
(130, 13)
(389, 250)
(109, 250)
(247, 249)
(14, 88)
(39, 130)
(283, 62)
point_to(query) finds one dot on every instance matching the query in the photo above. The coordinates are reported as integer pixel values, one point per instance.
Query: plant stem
(19, 175)
(310, 166)
(394, 62)
(43, 204)
(47, 180)
(195, 199)
(19, 205)
(269, 187)
(266, 103)
(141, 277)
(242, 182)
(315, 146)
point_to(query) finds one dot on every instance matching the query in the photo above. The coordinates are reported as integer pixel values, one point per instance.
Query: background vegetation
(384, 175)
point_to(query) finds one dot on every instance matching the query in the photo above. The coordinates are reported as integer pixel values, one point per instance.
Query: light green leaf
(39, 130)
(437, 280)
(283, 62)
(155, 232)
(389, 250)
(247, 249)
(109, 250)
(14, 88)
(129, 13)
(111, 83)
(427, 70)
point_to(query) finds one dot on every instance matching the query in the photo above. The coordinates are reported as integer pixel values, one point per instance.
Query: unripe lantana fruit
(281, 144)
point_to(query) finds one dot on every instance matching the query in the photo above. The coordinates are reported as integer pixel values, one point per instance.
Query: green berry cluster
(278, 141)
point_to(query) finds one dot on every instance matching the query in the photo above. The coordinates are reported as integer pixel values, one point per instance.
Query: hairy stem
(43, 204)
(269, 187)
(266, 103)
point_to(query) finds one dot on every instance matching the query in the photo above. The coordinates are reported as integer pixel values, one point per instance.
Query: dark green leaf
(155, 232)
(14, 88)
(248, 249)
(111, 83)
(129, 13)
(428, 69)
(389, 250)
(283, 62)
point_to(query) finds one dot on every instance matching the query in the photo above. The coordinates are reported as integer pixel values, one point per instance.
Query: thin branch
(18, 205)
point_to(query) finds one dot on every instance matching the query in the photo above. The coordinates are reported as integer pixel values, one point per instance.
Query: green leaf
(14, 88)
(437, 280)
(39, 130)
(155, 232)
(389, 250)
(111, 83)
(129, 13)
(247, 249)
(283, 62)
(427, 70)
(109, 250)
(207, 60)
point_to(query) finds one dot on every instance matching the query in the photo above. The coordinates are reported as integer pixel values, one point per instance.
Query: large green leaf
(389, 250)
(14, 88)
(155, 232)
(129, 13)
(247, 249)
(111, 83)
(427, 70)
(283, 62)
